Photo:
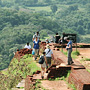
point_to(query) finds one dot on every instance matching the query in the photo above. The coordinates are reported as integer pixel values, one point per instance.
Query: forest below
(20, 19)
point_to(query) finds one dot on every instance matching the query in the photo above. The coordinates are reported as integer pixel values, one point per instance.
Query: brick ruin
(79, 76)
(22, 52)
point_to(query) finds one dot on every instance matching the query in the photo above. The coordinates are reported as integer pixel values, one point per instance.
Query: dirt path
(84, 53)
(55, 85)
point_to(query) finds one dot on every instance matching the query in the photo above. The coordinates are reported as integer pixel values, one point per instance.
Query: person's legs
(42, 71)
(37, 52)
(69, 56)
(35, 56)
(49, 65)
(48, 61)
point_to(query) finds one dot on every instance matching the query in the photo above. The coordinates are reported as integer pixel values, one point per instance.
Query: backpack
(33, 53)
(41, 60)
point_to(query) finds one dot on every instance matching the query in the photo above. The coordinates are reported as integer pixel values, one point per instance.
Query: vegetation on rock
(16, 71)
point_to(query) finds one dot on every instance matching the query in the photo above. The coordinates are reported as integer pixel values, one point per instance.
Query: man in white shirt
(47, 42)
(49, 54)
(36, 35)
(27, 46)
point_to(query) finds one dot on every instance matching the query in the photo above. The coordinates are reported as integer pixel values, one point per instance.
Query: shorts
(43, 65)
(36, 51)
(48, 60)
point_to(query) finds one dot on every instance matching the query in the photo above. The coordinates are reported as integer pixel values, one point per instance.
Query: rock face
(22, 52)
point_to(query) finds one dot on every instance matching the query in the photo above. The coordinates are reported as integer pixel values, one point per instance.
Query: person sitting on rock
(28, 46)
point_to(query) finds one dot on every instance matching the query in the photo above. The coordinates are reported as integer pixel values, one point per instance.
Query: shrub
(76, 53)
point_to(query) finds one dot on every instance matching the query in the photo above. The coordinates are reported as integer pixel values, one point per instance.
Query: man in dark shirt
(57, 37)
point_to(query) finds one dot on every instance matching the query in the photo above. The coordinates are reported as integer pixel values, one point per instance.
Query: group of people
(47, 53)
(36, 41)
(57, 39)
(47, 56)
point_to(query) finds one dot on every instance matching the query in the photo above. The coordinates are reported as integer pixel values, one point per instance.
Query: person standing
(36, 47)
(47, 42)
(43, 66)
(57, 37)
(69, 49)
(28, 46)
(36, 35)
(49, 55)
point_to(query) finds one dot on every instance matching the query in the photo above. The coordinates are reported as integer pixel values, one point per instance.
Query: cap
(65, 38)
(47, 46)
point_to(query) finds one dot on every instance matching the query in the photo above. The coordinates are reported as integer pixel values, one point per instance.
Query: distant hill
(20, 19)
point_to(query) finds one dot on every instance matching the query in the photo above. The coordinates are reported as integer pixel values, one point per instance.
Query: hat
(65, 38)
(47, 46)
(46, 39)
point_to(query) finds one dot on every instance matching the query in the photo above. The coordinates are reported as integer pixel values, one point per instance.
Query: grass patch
(88, 70)
(38, 85)
(65, 53)
(46, 8)
(45, 38)
(85, 59)
(70, 85)
(85, 36)
(81, 46)
(74, 54)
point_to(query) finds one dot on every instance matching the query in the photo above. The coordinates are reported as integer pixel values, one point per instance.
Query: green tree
(54, 8)
(47, 1)
(73, 8)
(80, 30)
(0, 2)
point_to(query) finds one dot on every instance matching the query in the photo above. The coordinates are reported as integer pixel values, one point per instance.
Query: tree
(35, 1)
(80, 30)
(73, 8)
(54, 8)
(47, 1)
(0, 2)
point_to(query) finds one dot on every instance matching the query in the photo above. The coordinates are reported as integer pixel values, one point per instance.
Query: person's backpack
(41, 60)
(33, 53)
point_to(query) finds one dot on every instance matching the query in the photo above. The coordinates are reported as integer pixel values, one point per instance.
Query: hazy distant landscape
(20, 19)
